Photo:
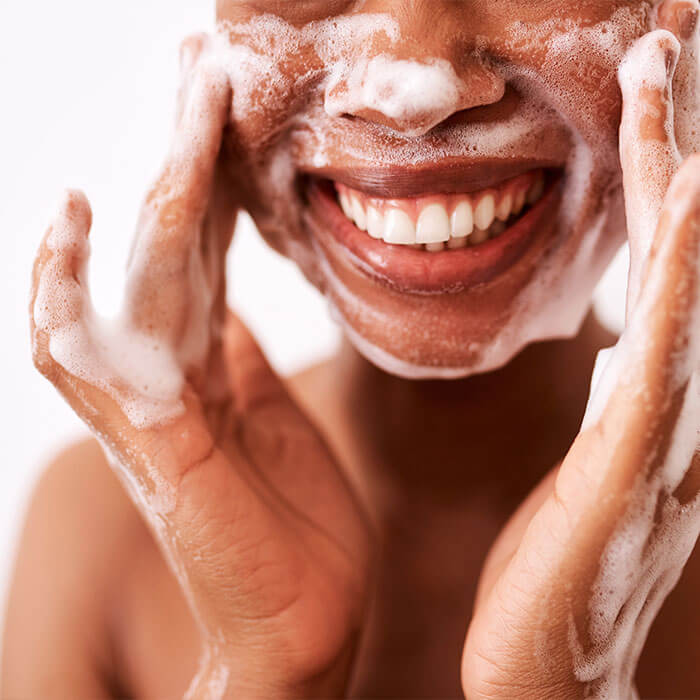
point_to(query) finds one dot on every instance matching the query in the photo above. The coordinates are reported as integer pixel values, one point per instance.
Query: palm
(284, 534)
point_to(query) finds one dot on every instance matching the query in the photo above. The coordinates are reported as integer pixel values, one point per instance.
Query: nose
(415, 80)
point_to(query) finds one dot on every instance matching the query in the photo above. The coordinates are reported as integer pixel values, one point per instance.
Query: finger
(99, 368)
(285, 450)
(165, 271)
(681, 18)
(648, 150)
(58, 299)
(191, 50)
(61, 316)
(650, 373)
(635, 456)
(218, 230)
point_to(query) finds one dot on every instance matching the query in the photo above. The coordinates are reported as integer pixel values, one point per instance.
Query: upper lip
(449, 175)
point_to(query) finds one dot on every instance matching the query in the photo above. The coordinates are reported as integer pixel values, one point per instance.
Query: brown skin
(87, 555)
(276, 487)
(442, 330)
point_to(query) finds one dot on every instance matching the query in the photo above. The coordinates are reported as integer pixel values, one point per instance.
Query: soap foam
(347, 74)
(141, 357)
(138, 372)
(405, 91)
(145, 374)
(646, 553)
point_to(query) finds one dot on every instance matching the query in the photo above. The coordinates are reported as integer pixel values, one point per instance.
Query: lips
(443, 221)
(449, 262)
(448, 175)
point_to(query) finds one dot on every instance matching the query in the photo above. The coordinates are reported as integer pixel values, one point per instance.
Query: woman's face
(364, 130)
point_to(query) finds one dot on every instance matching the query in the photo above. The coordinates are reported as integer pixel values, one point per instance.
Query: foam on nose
(415, 96)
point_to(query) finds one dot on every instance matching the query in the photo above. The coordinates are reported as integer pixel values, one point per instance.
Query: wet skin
(456, 329)
(312, 571)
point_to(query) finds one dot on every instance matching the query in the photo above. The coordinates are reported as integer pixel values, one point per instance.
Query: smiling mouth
(441, 222)
(441, 242)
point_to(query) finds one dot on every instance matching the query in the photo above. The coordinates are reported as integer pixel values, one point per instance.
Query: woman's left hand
(573, 583)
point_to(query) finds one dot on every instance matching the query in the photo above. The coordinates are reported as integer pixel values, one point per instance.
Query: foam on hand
(646, 552)
(139, 372)
(145, 373)
(141, 357)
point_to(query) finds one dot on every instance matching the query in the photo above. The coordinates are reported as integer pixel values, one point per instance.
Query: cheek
(571, 65)
(270, 96)
(271, 70)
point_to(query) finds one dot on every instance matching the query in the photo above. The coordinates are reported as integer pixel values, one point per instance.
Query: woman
(448, 175)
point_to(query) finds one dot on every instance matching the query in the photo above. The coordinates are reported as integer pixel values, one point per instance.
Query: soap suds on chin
(349, 74)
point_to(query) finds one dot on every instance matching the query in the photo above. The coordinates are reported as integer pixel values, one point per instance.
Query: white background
(87, 95)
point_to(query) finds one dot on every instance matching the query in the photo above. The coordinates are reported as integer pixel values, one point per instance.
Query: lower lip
(419, 271)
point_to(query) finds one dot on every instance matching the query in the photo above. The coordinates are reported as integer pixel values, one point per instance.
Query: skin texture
(284, 503)
(454, 330)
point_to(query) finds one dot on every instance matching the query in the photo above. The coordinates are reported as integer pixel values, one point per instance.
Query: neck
(445, 440)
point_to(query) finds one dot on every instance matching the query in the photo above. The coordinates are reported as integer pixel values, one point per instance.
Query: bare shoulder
(78, 532)
(81, 509)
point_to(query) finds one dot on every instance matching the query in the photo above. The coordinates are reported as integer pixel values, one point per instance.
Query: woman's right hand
(245, 499)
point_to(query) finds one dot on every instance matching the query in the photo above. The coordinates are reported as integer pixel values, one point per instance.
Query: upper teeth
(452, 220)
(433, 225)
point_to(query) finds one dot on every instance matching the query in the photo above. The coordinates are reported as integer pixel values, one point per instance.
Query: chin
(447, 260)
(420, 302)
(443, 279)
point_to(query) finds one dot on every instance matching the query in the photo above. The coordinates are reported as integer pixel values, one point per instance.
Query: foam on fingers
(650, 387)
(141, 357)
(671, 291)
(648, 149)
(58, 296)
(682, 18)
(168, 293)
(178, 198)
(137, 371)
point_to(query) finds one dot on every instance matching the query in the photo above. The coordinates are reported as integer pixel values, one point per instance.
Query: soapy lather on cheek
(357, 64)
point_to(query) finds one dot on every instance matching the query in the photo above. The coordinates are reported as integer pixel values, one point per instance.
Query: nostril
(409, 96)
(500, 110)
